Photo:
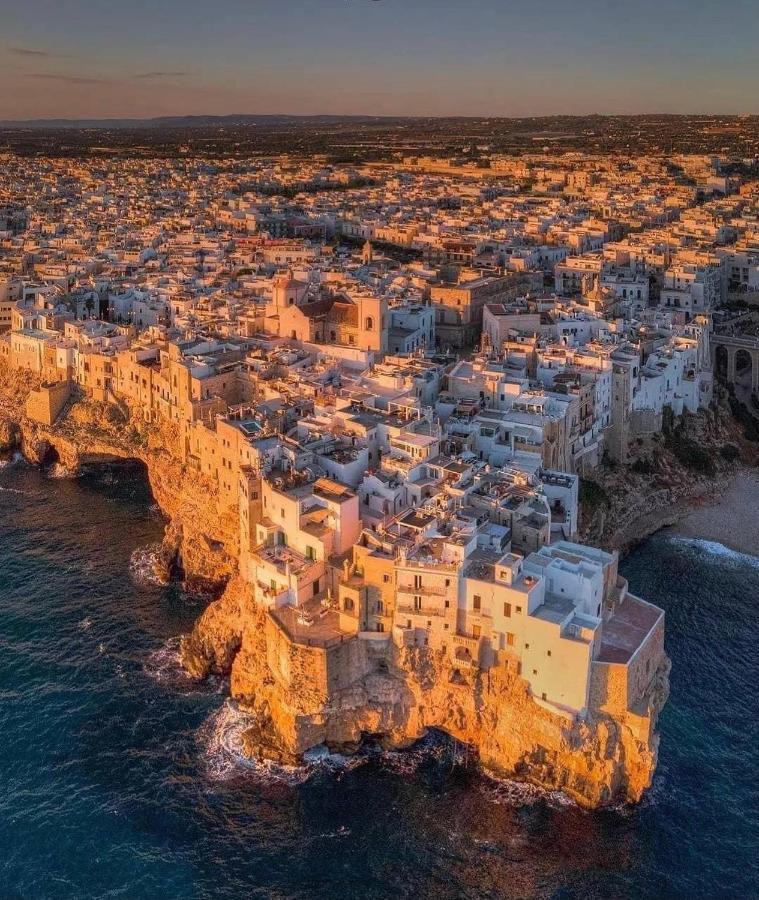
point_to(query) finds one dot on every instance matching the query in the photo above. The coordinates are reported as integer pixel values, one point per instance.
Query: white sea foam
(142, 564)
(715, 550)
(164, 664)
(520, 793)
(322, 757)
(221, 739)
(17, 459)
(58, 471)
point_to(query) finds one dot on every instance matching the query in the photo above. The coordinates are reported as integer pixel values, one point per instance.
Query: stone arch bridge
(735, 356)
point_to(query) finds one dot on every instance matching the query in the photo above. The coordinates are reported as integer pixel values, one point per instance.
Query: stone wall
(643, 666)
(621, 688)
(45, 405)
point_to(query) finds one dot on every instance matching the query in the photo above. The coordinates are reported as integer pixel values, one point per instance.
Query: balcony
(407, 609)
(422, 591)
(471, 643)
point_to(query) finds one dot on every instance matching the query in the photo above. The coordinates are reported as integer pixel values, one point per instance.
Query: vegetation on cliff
(690, 458)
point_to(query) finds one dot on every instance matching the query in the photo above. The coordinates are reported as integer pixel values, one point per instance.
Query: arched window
(369, 323)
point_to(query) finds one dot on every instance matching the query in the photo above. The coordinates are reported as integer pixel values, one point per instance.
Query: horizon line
(4, 122)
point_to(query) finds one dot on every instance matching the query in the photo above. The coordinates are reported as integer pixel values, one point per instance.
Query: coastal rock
(215, 640)
(202, 539)
(9, 435)
(597, 761)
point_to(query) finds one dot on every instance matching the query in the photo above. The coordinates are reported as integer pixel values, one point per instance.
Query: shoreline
(726, 512)
(731, 519)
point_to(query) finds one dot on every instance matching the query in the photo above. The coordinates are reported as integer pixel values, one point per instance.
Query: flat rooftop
(626, 630)
(310, 623)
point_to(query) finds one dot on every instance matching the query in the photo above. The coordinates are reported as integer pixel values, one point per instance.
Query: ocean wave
(164, 665)
(221, 740)
(143, 563)
(716, 550)
(59, 471)
(10, 490)
(17, 459)
(322, 757)
(520, 793)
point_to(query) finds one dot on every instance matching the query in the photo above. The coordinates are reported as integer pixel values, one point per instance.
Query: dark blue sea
(119, 778)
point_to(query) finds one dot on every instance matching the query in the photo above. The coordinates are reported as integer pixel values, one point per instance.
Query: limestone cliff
(596, 761)
(201, 541)
(668, 473)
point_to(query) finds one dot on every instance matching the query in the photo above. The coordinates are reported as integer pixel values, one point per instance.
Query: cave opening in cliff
(120, 478)
(50, 457)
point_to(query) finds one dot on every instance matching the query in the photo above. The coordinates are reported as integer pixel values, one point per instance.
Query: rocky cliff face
(623, 505)
(201, 542)
(597, 761)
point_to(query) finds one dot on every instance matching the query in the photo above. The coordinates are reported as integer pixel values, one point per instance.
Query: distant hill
(186, 121)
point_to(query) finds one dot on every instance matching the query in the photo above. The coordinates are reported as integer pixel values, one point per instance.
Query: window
(369, 323)
(509, 639)
(310, 553)
(519, 609)
(417, 582)
(548, 652)
(507, 610)
(386, 579)
(543, 695)
(477, 602)
(534, 671)
(526, 646)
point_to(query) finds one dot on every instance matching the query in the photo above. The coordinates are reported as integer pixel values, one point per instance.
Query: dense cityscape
(400, 387)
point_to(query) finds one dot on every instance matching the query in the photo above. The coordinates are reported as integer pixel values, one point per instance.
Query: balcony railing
(422, 591)
(409, 610)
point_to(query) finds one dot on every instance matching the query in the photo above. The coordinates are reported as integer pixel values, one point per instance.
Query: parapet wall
(620, 688)
(645, 422)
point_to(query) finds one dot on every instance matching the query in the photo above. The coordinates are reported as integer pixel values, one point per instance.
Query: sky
(141, 58)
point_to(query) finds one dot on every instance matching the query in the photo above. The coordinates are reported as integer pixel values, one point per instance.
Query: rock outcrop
(597, 760)
(623, 505)
(201, 542)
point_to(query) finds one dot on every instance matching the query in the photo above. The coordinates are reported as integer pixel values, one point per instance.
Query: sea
(121, 778)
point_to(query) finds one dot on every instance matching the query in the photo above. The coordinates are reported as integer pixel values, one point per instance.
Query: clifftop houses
(400, 441)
